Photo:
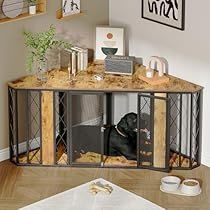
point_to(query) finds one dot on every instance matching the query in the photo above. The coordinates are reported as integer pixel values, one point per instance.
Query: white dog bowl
(190, 187)
(170, 183)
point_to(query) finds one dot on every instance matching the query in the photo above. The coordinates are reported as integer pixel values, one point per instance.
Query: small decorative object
(70, 7)
(98, 77)
(77, 59)
(12, 8)
(97, 187)
(119, 64)
(173, 185)
(166, 12)
(38, 44)
(149, 73)
(160, 64)
(109, 41)
(32, 7)
(82, 58)
(155, 77)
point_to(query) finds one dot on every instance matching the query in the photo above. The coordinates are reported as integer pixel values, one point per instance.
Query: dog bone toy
(97, 187)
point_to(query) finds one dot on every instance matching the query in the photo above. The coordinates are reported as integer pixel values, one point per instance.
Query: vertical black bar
(11, 151)
(191, 129)
(68, 127)
(27, 124)
(16, 126)
(167, 159)
(61, 112)
(102, 131)
(180, 131)
(54, 128)
(138, 129)
(152, 124)
(40, 123)
(109, 114)
(200, 107)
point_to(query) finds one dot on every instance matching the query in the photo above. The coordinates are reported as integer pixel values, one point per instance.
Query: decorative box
(115, 64)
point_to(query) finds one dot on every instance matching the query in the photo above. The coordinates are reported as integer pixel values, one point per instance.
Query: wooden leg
(47, 128)
(159, 131)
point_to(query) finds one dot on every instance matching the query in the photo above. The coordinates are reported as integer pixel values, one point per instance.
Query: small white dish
(170, 183)
(190, 187)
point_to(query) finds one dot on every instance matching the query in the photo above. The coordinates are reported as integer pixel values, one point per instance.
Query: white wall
(188, 52)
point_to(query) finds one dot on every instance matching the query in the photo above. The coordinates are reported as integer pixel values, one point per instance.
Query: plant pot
(41, 69)
(32, 9)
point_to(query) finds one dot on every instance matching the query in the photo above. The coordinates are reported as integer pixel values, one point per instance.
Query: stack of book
(77, 59)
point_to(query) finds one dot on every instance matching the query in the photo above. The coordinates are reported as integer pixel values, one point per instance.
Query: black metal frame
(65, 128)
(183, 17)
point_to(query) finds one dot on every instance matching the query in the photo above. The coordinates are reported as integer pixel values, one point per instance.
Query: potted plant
(38, 44)
(32, 7)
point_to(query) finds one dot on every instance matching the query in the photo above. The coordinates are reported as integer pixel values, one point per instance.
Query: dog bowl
(190, 187)
(170, 183)
(109, 51)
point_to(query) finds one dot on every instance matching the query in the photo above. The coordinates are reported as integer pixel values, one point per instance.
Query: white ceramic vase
(32, 9)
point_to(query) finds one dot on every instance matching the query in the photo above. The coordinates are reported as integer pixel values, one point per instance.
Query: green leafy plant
(39, 43)
(31, 2)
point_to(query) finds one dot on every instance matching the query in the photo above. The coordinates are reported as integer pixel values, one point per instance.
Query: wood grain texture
(47, 128)
(21, 186)
(156, 80)
(41, 5)
(58, 79)
(159, 131)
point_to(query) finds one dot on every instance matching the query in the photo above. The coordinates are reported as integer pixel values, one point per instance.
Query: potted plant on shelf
(38, 44)
(32, 7)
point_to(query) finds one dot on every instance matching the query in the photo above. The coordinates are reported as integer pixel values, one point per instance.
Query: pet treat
(97, 187)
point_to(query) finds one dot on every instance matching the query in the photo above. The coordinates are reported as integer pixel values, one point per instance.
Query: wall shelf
(60, 16)
(40, 10)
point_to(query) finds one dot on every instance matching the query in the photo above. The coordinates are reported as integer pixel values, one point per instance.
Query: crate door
(153, 132)
(86, 129)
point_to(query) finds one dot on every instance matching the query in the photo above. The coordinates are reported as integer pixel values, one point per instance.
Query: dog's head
(128, 124)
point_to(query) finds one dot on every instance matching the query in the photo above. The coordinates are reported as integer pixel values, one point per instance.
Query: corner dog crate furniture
(62, 123)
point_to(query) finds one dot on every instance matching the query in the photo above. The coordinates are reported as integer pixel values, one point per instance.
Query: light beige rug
(79, 198)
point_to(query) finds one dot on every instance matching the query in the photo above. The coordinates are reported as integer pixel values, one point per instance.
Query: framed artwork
(70, 7)
(166, 12)
(109, 41)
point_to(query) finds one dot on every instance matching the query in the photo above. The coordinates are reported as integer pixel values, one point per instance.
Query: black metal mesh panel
(146, 141)
(195, 128)
(175, 116)
(61, 128)
(12, 123)
(184, 130)
(87, 121)
(34, 128)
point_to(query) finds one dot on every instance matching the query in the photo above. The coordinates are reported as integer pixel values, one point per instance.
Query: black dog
(122, 138)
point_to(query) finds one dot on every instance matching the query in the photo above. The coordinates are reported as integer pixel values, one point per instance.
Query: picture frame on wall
(167, 12)
(109, 41)
(70, 7)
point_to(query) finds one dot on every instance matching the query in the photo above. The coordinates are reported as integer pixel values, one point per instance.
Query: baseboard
(4, 154)
(206, 161)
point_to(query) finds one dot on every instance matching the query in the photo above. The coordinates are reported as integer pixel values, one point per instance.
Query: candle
(149, 73)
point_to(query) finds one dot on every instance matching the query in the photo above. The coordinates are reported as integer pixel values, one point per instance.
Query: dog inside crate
(119, 140)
